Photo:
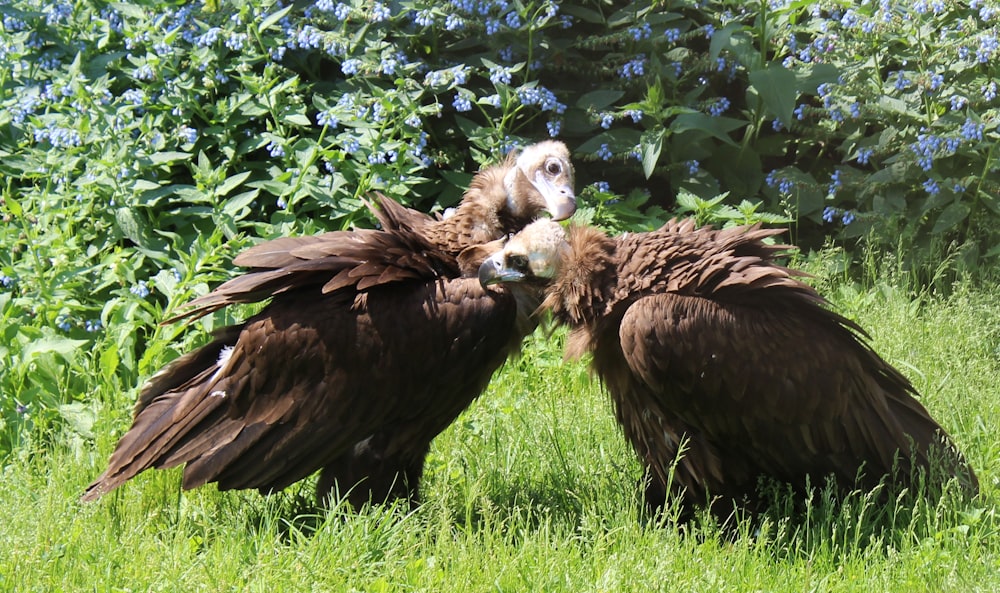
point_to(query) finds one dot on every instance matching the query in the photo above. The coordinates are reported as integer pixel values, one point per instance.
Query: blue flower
(937, 80)
(848, 218)
(925, 147)
(461, 103)
(958, 102)
(379, 12)
(540, 96)
(988, 47)
(388, 65)
(492, 26)
(604, 153)
(709, 31)
(187, 135)
(606, 120)
(275, 149)
(327, 118)
(602, 186)
(931, 187)
(453, 22)
(554, 127)
(902, 82)
(209, 37)
(635, 114)
(693, 167)
(6, 281)
(634, 68)
(990, 91)
(972, 130)
(513, 20)
(835, 182)
(145, 72)
(641, 32)
(500, 75)
(63, 323)
(672, 35)
(342, 11)
(134, 96)
(93, 325)
(281, 203)
(140, 289)
(236, 41)
(424, 18)
(718, 107)
(958, 188)
(350, 66)
(829, 213)
(864, 155)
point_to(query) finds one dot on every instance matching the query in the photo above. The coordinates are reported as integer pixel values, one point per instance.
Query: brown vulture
(372, 343)
(721, 361)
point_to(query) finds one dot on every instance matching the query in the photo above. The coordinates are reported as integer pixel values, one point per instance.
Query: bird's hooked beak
(560, 200)
(495, 271)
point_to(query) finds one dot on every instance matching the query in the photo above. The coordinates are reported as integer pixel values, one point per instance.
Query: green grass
(533, 489)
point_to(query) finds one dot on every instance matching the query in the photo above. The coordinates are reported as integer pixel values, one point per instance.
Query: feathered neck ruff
(482, 216)
(587, 270)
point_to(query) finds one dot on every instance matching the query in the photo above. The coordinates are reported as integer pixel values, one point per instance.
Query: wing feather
(810, 398)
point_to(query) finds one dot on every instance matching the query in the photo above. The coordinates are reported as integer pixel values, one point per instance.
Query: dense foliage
(142, 143)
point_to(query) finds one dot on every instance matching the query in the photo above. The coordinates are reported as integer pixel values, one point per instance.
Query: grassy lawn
(533, 489)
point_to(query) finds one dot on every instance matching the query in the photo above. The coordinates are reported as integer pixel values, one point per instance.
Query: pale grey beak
(493, 271)
(560, 200)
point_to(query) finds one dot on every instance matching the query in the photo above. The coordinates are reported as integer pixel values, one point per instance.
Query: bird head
(541, 179)
(533, 254)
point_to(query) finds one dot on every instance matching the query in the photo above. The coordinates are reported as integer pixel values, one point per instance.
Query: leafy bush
(142, 144)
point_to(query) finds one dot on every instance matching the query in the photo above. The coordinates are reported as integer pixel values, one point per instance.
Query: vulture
(724, 368)
(373, 341)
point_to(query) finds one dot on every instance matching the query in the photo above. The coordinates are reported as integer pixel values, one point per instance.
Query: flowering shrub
(874, 120)
(142, 143)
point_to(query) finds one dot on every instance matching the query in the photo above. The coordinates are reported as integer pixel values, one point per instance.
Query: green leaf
(274, 18)
(599, 99)
(651, 154)
(51, 345)
(109, 362)
(584, 14)
(297, 119)
(79, 417)
(778, 88)
(951, 217)
(235, 205)
(159, 158)
(617, 140)
(811, 76)
(231, 183)
(717, 127)
(13, 205)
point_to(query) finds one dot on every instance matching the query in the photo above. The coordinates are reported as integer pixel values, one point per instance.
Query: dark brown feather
(372, 343)
(721, 360)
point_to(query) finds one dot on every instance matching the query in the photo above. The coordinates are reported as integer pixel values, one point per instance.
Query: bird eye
(553, 167)
(517, 262)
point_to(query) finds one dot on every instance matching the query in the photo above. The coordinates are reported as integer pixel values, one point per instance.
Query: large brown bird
(372, 344)
(719, 359)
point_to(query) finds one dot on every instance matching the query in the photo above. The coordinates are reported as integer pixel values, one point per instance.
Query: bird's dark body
(725, 367)
(372, 343)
